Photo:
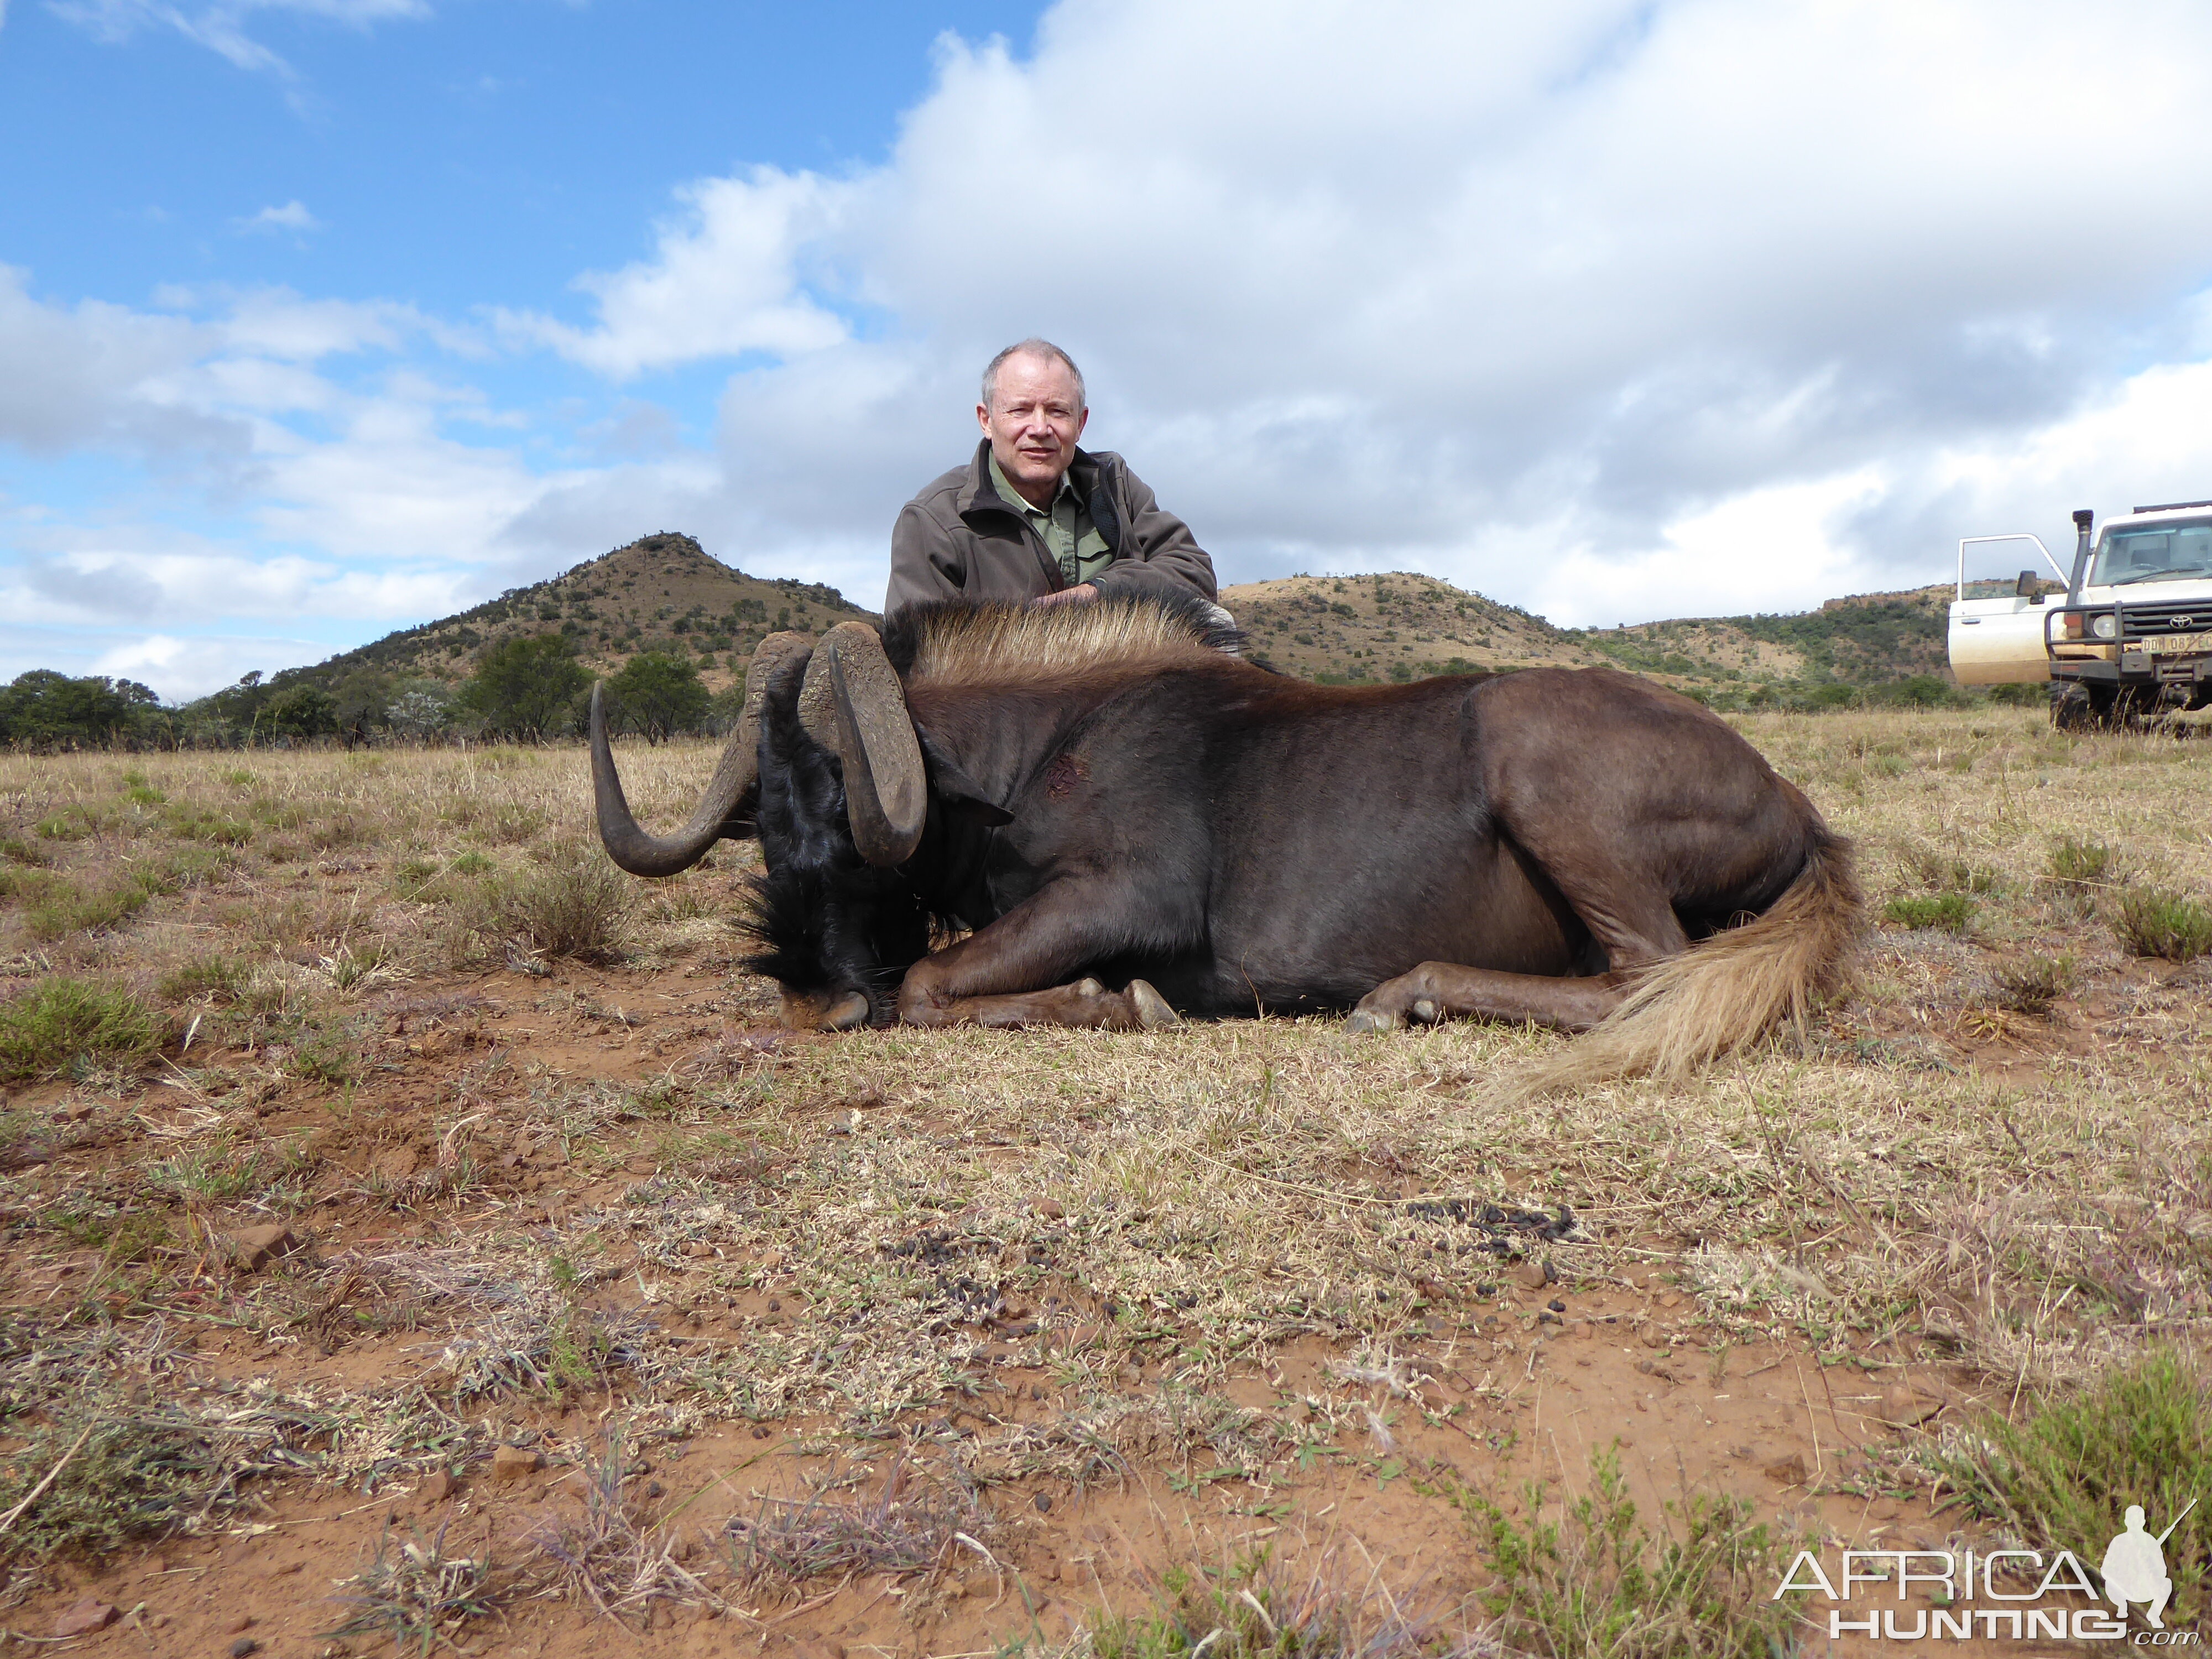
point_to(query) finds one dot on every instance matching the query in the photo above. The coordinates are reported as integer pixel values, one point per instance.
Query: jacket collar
(980, 495)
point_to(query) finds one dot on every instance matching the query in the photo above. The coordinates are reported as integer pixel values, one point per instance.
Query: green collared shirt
(1065, 526)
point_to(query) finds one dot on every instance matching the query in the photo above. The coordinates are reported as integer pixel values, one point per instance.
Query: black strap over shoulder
(1099, 502)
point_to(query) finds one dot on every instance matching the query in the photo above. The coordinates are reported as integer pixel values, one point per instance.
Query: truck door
(1996, 618)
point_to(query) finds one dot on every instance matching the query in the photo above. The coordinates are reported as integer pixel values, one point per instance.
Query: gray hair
(1035, 347)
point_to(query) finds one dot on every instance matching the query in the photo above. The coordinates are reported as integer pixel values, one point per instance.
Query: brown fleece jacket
(960, 539)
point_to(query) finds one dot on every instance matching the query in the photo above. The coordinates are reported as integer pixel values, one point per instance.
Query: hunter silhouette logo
(2134, 1567)
(1982, 1592)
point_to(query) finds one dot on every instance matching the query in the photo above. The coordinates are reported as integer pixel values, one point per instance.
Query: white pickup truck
(2127, 633)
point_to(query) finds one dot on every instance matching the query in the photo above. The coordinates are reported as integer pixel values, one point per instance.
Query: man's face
(1033, 419)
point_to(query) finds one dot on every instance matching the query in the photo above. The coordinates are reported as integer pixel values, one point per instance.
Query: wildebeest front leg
(1438, 990)
(1012, 972)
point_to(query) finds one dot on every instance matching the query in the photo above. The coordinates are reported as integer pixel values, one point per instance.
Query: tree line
(527, 689)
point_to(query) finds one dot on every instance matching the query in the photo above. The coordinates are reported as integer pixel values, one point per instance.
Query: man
(1034, 519)
(2133, 1568)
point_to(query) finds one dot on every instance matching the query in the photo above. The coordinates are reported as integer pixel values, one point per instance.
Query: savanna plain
(419, 1234)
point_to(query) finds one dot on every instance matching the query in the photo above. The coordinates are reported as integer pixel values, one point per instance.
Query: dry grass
(901, 1527)
(616, 1556)
(416, 1593)
(617, 1182)
(1255, 1607)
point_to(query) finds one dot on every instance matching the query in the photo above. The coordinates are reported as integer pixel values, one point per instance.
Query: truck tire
(2078, 708)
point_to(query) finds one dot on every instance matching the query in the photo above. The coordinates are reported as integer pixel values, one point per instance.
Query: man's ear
(964, 798)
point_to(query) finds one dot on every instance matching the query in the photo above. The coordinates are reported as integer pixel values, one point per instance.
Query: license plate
(2175, 644)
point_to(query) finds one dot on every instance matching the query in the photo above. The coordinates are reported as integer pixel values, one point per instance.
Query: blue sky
(319, 317)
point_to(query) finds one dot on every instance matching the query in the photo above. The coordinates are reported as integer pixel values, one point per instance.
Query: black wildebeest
(1098, 797)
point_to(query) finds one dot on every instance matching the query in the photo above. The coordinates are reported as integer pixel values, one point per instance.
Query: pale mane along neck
(1001, 647)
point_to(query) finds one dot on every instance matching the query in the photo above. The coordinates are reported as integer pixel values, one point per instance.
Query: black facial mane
(827, 920)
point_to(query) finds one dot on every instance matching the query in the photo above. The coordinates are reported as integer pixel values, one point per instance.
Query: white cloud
(180, 585)
(1396, 284)
(1782, 544)
(181, 669)
(222, 27)
(727, 278)
(1609, 307)
(292, 216)
(351, 505)
(71, 378)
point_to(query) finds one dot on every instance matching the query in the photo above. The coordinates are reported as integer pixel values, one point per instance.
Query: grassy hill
(661, 594)
(1869, 639)
(1399, 626)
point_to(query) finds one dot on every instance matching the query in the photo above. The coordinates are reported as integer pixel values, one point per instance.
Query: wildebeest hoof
(1088, 987)
(1425, 1010)
(848, 1011)
(1151, 1007)
(1372, 1019)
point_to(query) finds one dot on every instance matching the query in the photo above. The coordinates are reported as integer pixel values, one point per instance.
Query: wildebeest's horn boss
(852, 705)
(644, 855)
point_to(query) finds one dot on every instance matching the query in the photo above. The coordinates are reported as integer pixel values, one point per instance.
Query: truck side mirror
(2028, 587)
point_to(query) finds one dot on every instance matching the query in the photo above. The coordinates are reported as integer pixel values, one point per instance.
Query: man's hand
(1082, 595)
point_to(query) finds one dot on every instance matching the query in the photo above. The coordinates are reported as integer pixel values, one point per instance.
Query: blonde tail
(1731, 988)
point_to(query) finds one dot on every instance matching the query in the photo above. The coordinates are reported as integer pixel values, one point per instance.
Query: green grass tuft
(1594, 1581)
(2081, 863)
(55, 907)
(2154, 922)
(126, 1481)
(2063, 1477)
(216, 976)
(2031, 984)
(1952, 912)
(208, 824)
(580, 907)
(61, 1022)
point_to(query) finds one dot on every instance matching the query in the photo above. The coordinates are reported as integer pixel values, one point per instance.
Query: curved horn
(643, 855)
(852, 704)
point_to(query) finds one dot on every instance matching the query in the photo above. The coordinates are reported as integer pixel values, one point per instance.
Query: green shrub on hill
(658, 695)
(527, 688)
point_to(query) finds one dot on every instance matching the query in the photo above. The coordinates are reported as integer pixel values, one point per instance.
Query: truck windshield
(2160, 552)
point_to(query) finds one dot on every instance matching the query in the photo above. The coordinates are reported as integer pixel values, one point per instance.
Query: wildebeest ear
(962, 796)
(969, 809)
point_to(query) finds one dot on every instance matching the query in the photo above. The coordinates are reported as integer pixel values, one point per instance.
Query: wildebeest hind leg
(1438, 990)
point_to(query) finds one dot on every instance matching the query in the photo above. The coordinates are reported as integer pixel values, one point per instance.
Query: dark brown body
(1109, 802)
(1263, 843)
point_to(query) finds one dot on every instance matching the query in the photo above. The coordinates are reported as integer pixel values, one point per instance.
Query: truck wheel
(2078, 708)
